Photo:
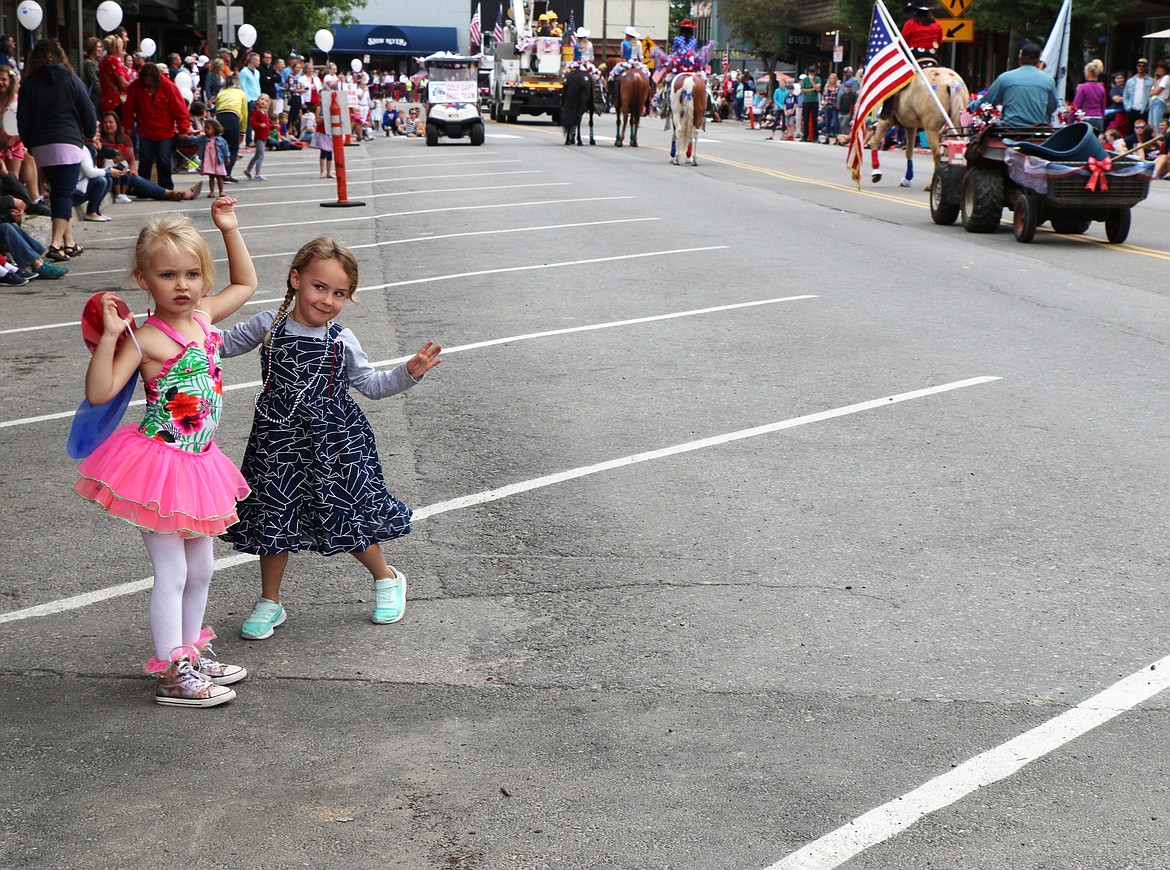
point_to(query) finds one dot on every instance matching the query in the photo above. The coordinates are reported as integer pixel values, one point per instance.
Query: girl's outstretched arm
(111, 365)
(241, 271)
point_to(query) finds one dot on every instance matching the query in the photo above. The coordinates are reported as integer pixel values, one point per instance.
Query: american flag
(727, 61)
(498, 31)
(572, 28)
(887, 71)
(476, 32)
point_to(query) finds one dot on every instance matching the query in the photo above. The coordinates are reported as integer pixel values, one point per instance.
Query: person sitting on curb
(26, 251)
(392, 120)
(414, 127)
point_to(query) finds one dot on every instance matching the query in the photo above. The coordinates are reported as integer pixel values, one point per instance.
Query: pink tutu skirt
(160, 488)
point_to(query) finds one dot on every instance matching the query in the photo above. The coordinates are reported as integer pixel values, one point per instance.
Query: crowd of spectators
(123, 125)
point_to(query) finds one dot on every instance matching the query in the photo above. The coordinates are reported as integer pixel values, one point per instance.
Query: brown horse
(688, 108)
(914, 109)
(629, 93)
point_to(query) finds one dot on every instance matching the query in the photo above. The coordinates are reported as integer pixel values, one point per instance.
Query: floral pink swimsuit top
(184, 400)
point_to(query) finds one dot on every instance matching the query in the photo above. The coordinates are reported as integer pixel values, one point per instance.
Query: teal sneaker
(389, 598)
(266, 615)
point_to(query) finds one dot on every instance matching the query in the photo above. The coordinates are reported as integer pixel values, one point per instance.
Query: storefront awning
(387, 39)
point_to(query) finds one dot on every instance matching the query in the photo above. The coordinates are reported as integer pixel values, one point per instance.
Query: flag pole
(897, 31)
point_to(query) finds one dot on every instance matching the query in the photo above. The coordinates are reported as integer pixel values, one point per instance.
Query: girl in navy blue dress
(311, 460)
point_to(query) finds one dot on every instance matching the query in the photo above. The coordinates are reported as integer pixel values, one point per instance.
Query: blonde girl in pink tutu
(166, 475)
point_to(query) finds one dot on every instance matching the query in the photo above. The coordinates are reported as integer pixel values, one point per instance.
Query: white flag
(1055, 54)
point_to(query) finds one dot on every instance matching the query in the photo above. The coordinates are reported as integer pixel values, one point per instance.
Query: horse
(688, 107)
(914, 109)
(629, 92)
(577, 97)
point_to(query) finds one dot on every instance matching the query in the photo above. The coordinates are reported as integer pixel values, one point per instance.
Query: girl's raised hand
(423, 361)
(224, 215)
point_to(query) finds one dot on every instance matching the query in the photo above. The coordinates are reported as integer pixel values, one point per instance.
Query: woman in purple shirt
(1091, 96)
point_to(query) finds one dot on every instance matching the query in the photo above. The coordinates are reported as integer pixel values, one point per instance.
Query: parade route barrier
(336, 115)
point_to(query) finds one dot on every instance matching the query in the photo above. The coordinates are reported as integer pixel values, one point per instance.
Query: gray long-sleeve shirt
(367, 380)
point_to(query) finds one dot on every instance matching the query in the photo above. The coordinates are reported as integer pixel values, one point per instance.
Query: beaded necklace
(299, 370)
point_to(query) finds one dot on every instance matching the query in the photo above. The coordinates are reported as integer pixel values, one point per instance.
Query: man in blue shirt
(1027, 93)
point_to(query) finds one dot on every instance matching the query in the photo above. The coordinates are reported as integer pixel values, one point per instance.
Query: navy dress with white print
(311, 460)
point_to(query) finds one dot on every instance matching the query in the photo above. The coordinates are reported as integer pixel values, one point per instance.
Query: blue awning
(389, 39)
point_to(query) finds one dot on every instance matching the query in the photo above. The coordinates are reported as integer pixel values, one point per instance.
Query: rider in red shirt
(923, 34)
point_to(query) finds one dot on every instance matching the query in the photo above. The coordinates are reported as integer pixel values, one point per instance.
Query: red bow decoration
(1097, 170)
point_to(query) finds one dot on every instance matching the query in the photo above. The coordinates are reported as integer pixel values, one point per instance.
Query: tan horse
(630, 92)
(688, 108)
(914, 109)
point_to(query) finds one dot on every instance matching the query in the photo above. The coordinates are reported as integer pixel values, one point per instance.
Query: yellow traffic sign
(955, 8)
(958, 29)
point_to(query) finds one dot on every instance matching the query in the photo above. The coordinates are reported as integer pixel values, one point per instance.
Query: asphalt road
(760, 523)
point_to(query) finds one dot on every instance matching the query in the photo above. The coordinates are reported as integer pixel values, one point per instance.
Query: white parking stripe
(882, 823)
(374, 217)
(62, 415)
(430, 238)
(503, 492)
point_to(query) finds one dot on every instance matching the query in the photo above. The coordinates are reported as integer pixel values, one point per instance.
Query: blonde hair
(174, 234)
(320, 248)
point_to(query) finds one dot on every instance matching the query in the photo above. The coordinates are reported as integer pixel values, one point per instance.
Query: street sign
(955, 8)
(958, 30)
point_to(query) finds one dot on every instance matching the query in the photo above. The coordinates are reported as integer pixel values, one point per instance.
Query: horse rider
(632, 45)
(923, 35)
(685, 48)
(1027, 93)
(583, 50)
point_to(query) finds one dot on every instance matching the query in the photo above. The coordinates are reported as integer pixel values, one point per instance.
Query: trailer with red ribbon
(1064, 177)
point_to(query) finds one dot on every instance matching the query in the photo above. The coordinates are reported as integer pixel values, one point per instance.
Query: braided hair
(320, 248)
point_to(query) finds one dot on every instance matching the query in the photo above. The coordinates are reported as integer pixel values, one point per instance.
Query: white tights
(182, 577)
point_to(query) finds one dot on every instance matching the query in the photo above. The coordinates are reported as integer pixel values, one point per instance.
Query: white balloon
(188, 94)
(355, 65)
(246, 34)
(29, 14)
(9, 124)
(147, 47)
(109, 15)
(183, 80)
(323, 37)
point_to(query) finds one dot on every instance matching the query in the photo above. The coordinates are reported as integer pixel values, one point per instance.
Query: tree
(760, 26)
(281, 24)
(853, 18)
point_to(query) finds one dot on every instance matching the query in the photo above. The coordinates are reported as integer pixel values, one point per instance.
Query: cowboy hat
(686, 22)
(582, 33)
(631, 32)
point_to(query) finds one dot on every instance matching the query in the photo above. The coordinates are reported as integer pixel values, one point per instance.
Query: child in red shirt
(261, 125)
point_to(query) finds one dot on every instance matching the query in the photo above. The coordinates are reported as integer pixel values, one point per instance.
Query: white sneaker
(122, 198)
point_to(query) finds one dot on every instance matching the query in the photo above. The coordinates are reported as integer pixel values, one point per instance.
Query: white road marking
(503, 136)
(62, 415)
(882, 823)
(374, 217)
(430, 238)
(78, 601)
(365, 196)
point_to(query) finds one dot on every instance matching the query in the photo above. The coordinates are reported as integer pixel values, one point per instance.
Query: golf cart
(452, 98)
